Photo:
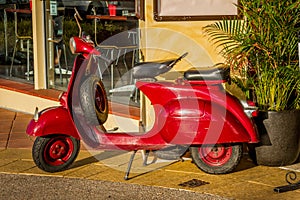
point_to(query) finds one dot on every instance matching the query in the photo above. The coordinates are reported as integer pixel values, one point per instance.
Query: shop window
(182, 10)
(16, 58)
(102, 20)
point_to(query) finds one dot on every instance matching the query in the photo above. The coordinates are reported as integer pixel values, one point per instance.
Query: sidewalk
(247, 182)
(12, 130)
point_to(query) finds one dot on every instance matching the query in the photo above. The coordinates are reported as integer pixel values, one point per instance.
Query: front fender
(54, 120)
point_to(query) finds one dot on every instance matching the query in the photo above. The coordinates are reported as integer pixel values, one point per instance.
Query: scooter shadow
(108, 155)
(245, 164)
(96, 158)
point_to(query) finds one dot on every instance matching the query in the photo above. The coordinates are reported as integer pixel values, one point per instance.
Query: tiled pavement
(12, 130)
(247, 182)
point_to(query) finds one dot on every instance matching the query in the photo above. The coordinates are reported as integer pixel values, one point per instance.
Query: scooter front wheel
(55, 153)
(217, 159)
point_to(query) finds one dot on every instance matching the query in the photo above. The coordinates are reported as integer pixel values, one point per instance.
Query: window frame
(179, 17)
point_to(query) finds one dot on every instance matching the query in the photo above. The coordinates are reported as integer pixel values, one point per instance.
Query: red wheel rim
(100, 98)
(215, 155)
(58, 150)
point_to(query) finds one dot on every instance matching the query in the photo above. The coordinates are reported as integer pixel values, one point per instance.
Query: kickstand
(145, 155)
(129, 165)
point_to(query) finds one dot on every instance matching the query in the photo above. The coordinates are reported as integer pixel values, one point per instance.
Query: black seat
(150, 69)
(208, 74)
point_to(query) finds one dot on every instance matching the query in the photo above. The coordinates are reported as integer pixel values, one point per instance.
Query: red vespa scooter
(194, 112)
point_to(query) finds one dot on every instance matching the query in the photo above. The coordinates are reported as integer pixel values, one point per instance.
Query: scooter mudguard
(54, 120)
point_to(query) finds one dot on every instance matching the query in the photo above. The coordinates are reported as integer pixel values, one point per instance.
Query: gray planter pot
(280, 138)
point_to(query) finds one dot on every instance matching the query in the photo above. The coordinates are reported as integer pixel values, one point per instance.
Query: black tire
(55, 153)
(217, 159)
(94, 101)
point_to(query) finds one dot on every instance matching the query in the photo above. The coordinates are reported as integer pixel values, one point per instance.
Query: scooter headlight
(72, 45)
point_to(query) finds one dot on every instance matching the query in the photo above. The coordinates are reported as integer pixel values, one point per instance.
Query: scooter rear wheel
(55, 153)
(217, 159)
(94, 101)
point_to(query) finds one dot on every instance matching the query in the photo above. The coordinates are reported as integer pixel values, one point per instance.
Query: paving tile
(274, 177)
(85, 158)
(4, 162)
(20, 140)
(80, 168)
(239, 190)
(115, 160)
(5, 127)
(294, 167)
(16, 154)
(37, 171)
(19, 135)
(107, 174)
(20, 143)
(17, 167)
(3, 145)
(6, 119)
(86, 171)
(6, 114)
(20, 124)
(248, 174)
(165, 178)
(120, 163)
(3, 136)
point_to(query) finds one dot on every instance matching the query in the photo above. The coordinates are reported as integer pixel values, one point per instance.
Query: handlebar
(77, 16)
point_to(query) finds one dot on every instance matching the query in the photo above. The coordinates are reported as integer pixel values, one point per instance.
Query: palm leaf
(262, 50)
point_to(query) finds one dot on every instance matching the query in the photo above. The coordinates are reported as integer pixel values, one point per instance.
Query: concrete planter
(280, 138)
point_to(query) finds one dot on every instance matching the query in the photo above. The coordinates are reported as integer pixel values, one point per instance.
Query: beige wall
(161, 40)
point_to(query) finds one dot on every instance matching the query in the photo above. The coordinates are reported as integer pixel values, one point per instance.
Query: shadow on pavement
(96, 158)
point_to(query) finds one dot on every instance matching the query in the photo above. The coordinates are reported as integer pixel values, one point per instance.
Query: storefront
(41, 55)
(161, 29)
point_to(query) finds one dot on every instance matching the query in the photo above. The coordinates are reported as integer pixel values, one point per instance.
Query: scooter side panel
(53, 120)
(198, 114)
(187, 124)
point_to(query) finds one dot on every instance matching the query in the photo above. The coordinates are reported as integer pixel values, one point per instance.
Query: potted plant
(261, 48)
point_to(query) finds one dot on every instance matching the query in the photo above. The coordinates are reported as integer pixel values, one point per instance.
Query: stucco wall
(164, 39)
